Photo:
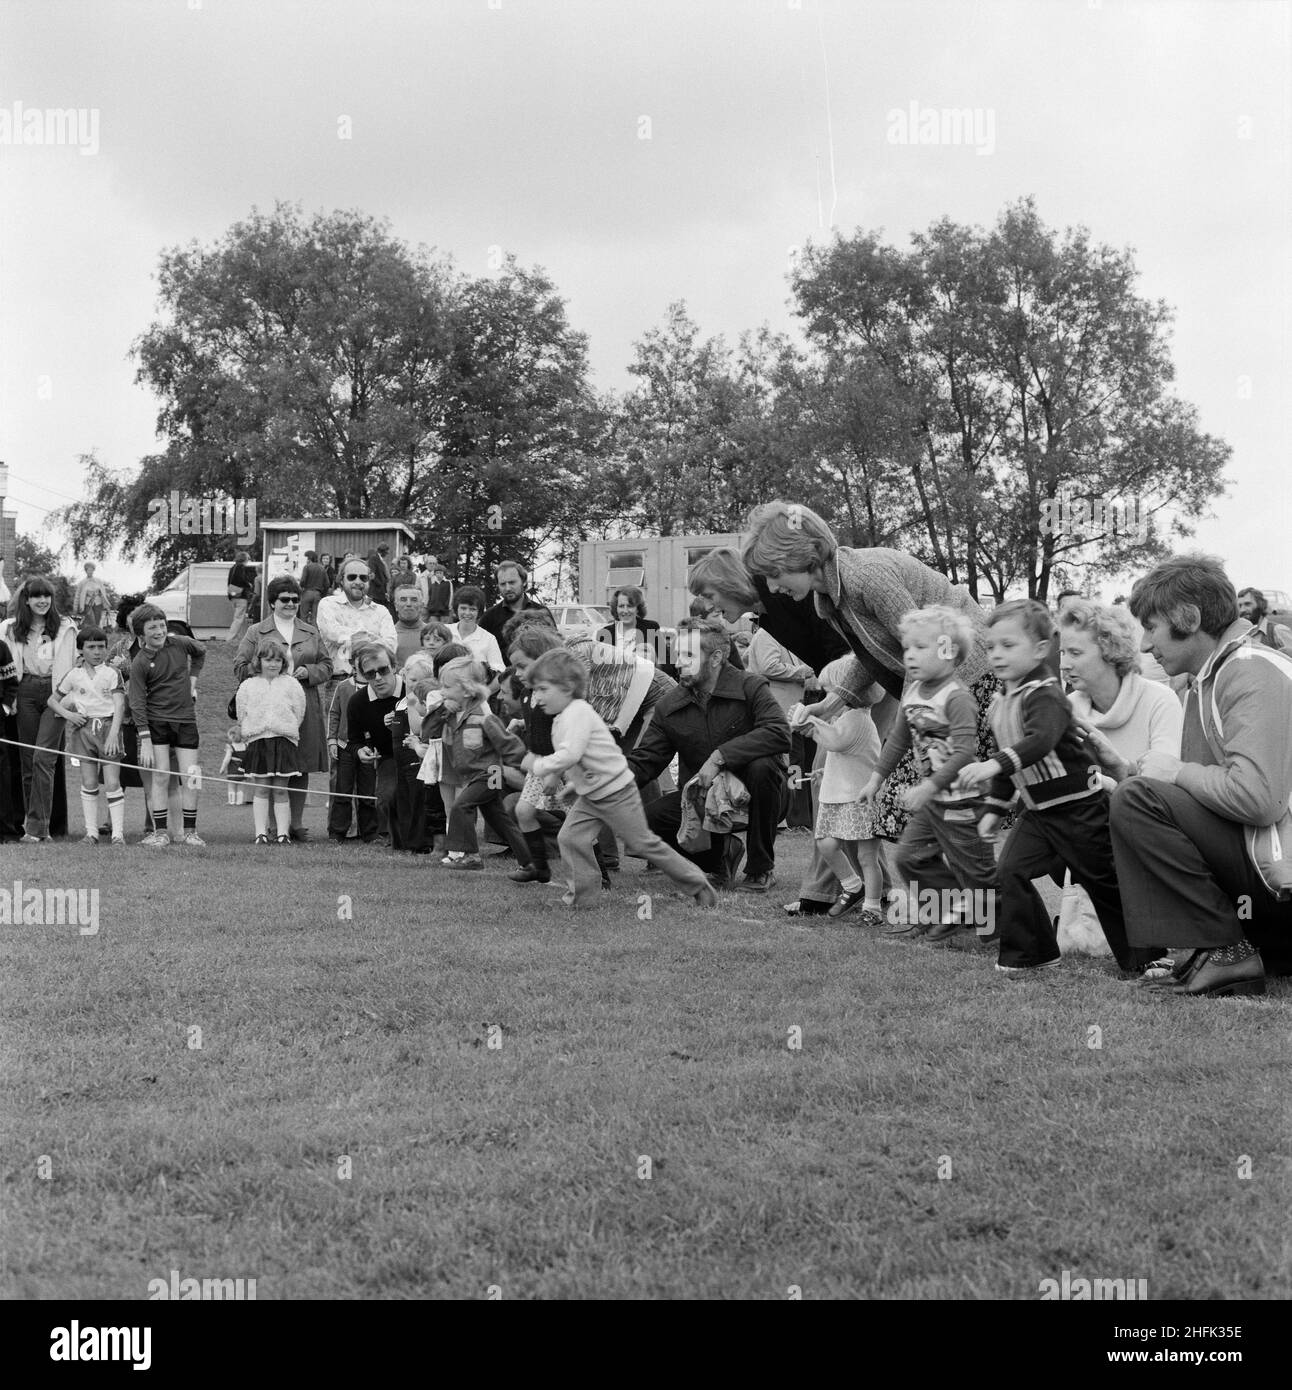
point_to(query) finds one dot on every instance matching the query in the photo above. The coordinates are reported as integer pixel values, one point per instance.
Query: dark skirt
(272, 757)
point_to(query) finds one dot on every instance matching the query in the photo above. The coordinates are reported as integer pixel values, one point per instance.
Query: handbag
(1269, 847)
(234, 591)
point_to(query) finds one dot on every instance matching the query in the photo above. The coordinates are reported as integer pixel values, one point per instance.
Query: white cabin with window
(656, 564)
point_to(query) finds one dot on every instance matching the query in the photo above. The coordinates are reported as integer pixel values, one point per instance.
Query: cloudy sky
(472, 124)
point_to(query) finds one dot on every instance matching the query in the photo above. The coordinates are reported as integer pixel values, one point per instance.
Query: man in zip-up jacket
(1180, 828)
(718, 718)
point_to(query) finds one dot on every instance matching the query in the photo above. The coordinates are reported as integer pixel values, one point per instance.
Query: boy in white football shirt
(92, 701)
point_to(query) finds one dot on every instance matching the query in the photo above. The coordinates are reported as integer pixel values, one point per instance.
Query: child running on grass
(1044, 762)
(476, 744)
(938, 720)
(92, 701)
(271, 706)
(586, 751)
(163, 687)
(845, 833)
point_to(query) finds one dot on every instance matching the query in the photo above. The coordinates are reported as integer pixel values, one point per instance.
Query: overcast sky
(1164, 127)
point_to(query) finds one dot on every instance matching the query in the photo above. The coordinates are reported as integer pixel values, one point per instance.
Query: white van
(199, 596)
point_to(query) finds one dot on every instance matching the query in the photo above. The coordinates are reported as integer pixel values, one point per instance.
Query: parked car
(1279, 602)
(580, 619)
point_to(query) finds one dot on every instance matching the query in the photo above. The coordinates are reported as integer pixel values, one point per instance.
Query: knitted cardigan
(868, 593)
(270, 708)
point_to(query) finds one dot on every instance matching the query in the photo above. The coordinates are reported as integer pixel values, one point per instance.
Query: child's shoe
(466, 861)
(846, 902)
(283, 840)
(261, 840)
(159, 839)
(191, 837)
(88, 839)
(118, 840)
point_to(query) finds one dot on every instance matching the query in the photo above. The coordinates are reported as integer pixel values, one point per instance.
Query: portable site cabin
(284, 542)
(656, 564)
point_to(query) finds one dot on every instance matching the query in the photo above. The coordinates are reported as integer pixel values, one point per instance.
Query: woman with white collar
(1125, 716)
(43, 644)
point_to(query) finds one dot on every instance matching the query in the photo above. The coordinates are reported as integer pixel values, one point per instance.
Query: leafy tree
(1020, 367)
(323, 368)
(694, 447)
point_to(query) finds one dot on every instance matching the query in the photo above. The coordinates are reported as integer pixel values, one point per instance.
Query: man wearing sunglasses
(369, 717)
(342, 614)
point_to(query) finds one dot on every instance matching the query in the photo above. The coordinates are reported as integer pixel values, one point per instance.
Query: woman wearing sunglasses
(310, 664)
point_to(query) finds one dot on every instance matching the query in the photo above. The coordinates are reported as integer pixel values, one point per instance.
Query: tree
(1021, 370)
(693, 444)
(323, 368)
(31, 559)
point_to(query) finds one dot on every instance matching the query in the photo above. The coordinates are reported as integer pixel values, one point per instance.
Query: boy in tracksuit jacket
(1064, 824)
(352, 779)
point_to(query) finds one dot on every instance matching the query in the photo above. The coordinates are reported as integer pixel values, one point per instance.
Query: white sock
(851, 884)
(117, 814)
(90, 810)
(260, 815)
(872, 905)
(282, 815)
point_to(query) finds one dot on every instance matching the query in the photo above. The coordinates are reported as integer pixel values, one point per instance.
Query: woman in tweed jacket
(863, 595)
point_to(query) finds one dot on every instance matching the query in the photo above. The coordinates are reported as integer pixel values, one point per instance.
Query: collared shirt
(338, 620)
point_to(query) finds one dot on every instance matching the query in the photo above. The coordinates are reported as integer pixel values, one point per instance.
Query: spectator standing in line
(1253, 608)
(241, 586)
(510, 578)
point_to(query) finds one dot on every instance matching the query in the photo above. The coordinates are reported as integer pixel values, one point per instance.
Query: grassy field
(412, 1083)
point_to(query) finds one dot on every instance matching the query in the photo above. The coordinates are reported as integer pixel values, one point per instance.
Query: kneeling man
(718, 719)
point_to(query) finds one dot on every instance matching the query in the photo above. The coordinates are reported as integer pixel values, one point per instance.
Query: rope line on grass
(203, 779)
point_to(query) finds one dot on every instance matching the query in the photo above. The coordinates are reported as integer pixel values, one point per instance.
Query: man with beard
(719, 718)
(510, 578)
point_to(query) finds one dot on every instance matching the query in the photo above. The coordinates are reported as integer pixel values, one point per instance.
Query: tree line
(942, 399)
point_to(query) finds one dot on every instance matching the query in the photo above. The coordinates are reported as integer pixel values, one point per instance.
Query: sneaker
(756, 883)
(30, 840)
(191, 837)
(159, 839)
(118, 840)
(467, 861)
(869, 918)
(89, 839)
(282, 840)
(1028, 969)
(261, 840)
